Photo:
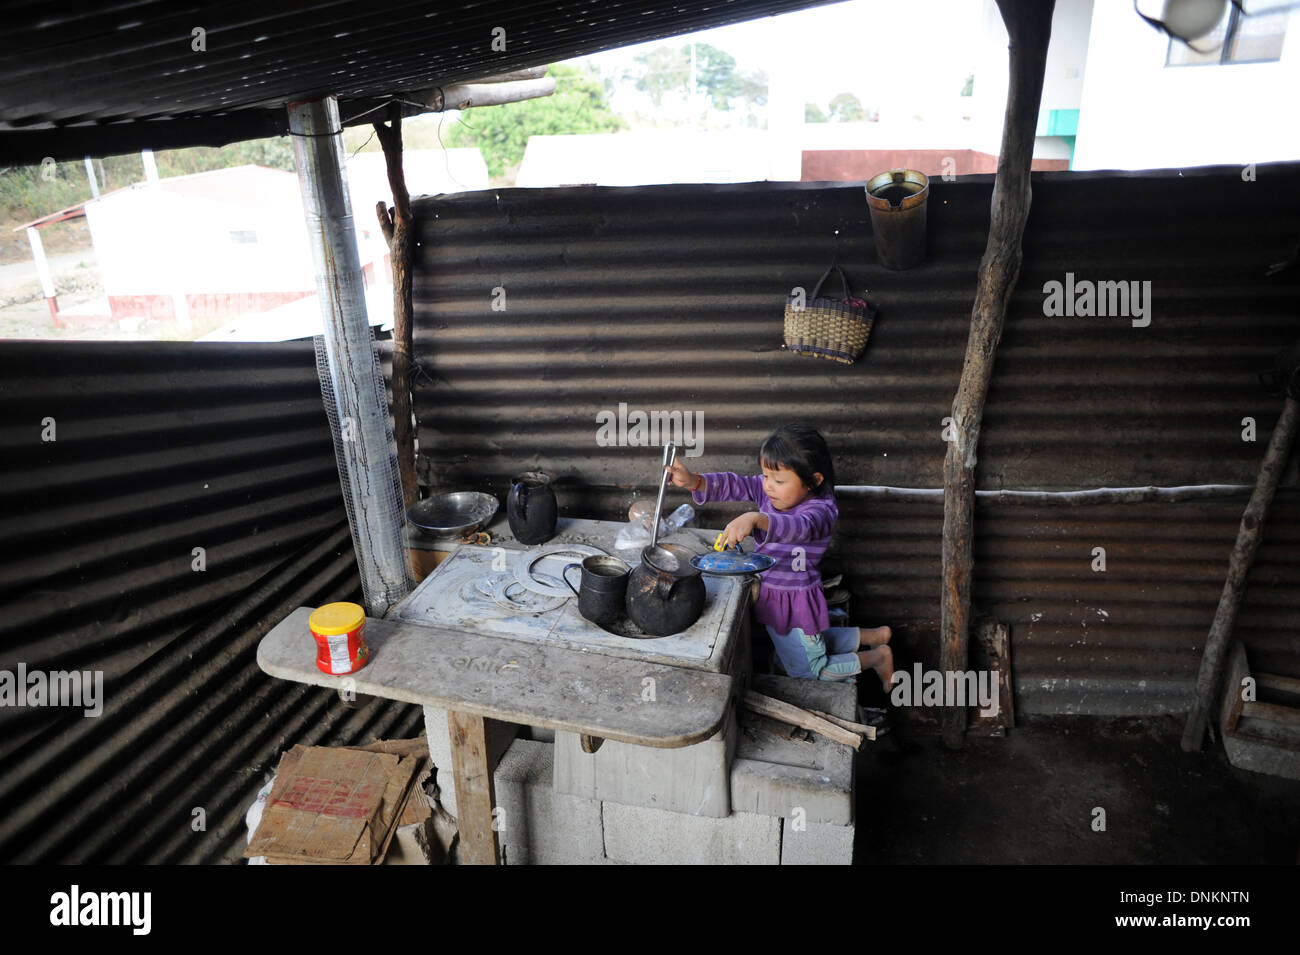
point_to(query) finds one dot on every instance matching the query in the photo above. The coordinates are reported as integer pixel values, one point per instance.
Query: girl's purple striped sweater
(788, 598)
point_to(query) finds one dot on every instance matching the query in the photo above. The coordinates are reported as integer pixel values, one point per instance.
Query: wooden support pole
(465, 95)
(1029, 25)
(397, 226)
(1243, 554)
(475, 788)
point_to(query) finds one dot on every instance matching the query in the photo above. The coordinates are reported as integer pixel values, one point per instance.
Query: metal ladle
(659, 556)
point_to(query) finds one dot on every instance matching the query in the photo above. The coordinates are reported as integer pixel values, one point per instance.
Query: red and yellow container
(340, 632)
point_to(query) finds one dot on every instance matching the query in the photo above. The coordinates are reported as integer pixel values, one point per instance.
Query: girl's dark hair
(801, 449)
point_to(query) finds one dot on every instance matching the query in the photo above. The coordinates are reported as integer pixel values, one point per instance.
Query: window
(244, 237)
(1239, 38)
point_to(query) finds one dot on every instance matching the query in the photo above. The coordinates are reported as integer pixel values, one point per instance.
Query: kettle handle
(565, 574)
(664, 586)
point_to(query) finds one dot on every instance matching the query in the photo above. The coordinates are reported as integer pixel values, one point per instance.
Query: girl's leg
(881, 659)
(800, 655)
(840, 661)
(875, 637)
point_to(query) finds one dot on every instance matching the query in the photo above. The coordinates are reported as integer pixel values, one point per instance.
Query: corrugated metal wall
(161, 448)
(536, 310)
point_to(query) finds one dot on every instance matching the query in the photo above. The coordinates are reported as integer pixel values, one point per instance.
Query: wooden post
(1243, 554)
(396, 227)
(475, 789)
(1029, 24)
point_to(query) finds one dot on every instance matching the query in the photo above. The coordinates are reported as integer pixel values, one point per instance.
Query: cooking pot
(665, 594)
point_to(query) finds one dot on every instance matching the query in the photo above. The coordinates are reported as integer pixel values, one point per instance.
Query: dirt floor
(1031, 798)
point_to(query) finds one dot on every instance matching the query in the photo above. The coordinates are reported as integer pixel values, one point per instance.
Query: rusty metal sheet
(160, 448)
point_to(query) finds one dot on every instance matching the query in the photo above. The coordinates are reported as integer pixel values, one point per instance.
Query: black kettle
(531, 508)
(665, 594)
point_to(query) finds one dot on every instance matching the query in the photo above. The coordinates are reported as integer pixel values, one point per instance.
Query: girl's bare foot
(875, 637)
(881, 659)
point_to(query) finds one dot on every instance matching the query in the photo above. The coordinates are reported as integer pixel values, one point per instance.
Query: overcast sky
(912, 51)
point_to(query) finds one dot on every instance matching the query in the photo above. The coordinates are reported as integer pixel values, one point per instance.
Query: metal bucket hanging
(897, 201)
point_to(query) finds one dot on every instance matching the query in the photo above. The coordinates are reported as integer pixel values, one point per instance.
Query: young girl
(793, 523)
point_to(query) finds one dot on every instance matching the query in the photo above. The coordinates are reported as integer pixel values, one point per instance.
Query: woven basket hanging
(829, 327)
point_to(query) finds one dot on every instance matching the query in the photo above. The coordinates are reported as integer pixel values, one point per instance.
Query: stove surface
(458, 595)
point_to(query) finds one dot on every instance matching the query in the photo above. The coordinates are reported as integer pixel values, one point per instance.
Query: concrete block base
(653, 837)
(692, 779)
(816, 844)
(812, 779)
(537, 825)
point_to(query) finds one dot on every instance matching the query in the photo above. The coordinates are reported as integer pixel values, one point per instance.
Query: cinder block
(816, 844)
(689, 779)
(540, 827)
(499, 737)
(653, 837)
(773, 777)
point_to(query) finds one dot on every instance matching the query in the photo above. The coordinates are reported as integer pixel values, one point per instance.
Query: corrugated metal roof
(85, 78)
(670, 298)
(160, 448)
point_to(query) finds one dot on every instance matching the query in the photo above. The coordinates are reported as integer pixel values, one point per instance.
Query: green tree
(969, 86)
(715, 74)
(846, 108)
(578, 105)
(665, 71)
(661, 71)
(812, 113)
(753, 89)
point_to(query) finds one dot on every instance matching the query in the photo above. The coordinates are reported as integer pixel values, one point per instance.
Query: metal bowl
(454, 514)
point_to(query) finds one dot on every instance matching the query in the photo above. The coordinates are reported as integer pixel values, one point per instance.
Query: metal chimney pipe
(350, 377)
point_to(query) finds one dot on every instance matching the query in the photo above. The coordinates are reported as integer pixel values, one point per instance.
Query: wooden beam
(475, 790)
(465, 95)
(1283, 684)
(397, 228)
(1234, 586)
(1029, 25)
(796, 716)
(862, 729)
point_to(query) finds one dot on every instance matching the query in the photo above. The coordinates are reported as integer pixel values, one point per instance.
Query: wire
(446, 158)
(363, 145)
(373, 109)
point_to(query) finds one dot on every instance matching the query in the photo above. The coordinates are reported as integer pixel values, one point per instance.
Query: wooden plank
(789, 713)
(1230, 708)
(475, 795)
(1264, 733)
(514, 681)
(992, 651)
(1271, 712)
(1283, 684)
(862, 728)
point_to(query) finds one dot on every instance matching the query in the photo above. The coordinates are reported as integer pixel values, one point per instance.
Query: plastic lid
(336, 618)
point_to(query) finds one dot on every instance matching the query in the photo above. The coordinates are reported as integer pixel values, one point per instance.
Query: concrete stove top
(456, 596)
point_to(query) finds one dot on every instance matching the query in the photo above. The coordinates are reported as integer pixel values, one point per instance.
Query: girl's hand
(741, 527)
(680, 476)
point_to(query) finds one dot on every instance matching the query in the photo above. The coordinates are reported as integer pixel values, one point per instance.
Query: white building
(210, 245)
(1120, 94)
